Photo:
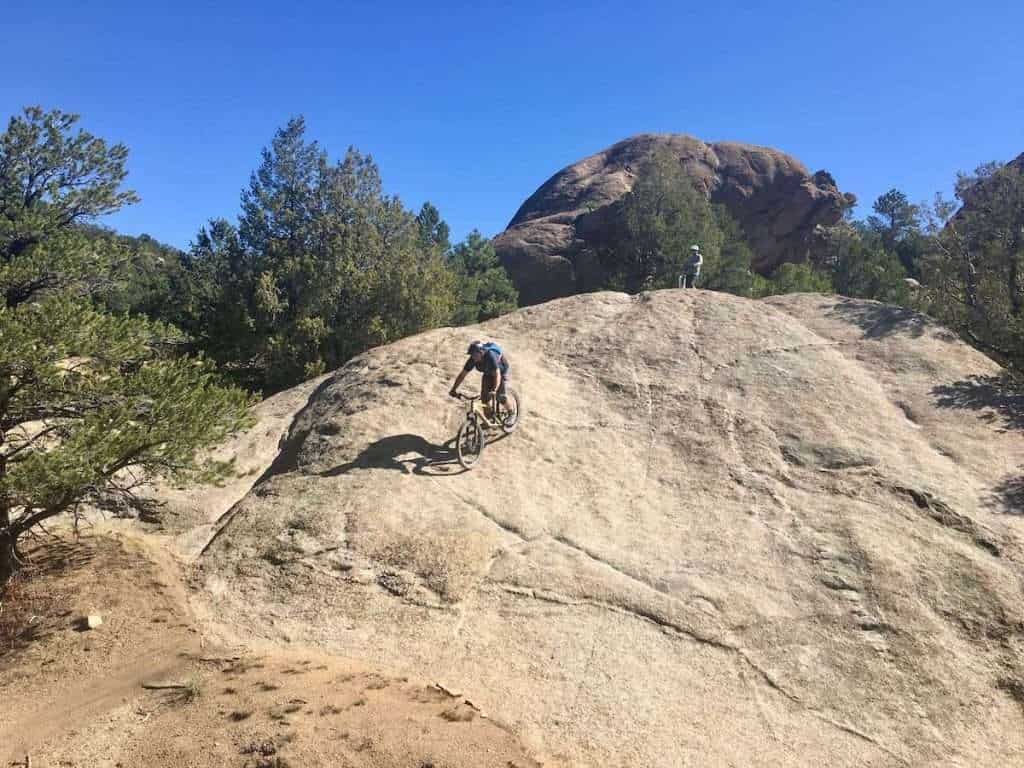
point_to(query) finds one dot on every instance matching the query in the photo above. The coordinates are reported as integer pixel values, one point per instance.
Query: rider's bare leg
(487, 397)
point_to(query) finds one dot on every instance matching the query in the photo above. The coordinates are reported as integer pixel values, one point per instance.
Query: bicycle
(472, 437)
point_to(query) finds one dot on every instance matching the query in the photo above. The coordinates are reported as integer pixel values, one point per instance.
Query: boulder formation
(727, 532)
(772, 195)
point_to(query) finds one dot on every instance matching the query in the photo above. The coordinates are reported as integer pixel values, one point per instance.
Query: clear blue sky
(473, 105)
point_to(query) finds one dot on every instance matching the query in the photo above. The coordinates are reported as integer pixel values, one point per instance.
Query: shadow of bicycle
(409, 454)
(406, 453)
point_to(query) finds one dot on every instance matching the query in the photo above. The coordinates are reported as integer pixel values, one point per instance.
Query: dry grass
(33, 603)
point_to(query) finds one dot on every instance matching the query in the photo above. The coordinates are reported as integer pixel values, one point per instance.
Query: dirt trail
(77, 698)
(148, 633)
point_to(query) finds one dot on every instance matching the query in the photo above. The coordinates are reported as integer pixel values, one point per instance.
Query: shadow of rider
(407, 453)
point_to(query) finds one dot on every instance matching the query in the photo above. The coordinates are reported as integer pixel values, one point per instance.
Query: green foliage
(871, 273)
(433, 230)
(87, 395)
(727, 268)
(485, 289)
(793, 278)
(860, 266)
(895, 217)
(655, 224)
(52, 177)
(966, 183)
(653, 227)
(896, 229)
(148, 278)
(974, 270)
(321, 267)
(92, 404)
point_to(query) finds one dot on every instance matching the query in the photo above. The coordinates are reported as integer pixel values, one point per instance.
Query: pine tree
(895, 217)
(321, 266)
(974, 270)
(92, 405)
(484, 287)
(653, 227)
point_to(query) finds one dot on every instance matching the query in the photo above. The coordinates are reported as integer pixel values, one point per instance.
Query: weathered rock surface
(727, 533)
(772, 195)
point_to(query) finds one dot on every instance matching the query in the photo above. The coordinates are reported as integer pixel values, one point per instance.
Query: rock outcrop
(772, 195)
(727, 532)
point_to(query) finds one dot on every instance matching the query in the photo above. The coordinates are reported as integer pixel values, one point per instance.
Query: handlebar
(463, 396)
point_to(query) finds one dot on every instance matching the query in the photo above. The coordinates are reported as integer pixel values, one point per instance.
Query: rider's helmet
(475, 346)
(694, 247)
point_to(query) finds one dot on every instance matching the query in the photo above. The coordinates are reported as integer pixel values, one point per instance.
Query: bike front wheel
(470, 443)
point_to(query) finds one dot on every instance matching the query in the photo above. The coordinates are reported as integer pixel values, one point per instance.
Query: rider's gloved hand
(452, 393)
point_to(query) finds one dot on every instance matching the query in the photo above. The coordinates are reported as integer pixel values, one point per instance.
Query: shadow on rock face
(1010, 495)
(996, 397)
(880, 320)
(393, 452)
(388, 453)
(999, 400)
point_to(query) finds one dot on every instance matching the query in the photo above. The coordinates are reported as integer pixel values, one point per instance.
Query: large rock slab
(771, 194)
(727, 532)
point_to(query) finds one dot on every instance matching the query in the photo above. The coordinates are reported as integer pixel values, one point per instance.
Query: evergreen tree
(92, 405)
(896, 226)
(434, 232)
(485, 289)
(860, 266)
(729, 269)
(149, 279)
(974, 272)
(794, 278)
(895, 217)
(653, 227)
(52, 177)
(321, 266)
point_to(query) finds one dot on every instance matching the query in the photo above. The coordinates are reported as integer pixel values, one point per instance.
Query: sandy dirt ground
(147, 689)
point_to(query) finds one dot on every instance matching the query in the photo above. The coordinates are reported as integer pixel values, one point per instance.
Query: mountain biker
(493, 364)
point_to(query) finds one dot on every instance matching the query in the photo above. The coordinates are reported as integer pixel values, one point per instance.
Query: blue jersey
(491, 361)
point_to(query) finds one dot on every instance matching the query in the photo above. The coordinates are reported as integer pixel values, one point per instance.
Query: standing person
(691, 270)
(493, 364)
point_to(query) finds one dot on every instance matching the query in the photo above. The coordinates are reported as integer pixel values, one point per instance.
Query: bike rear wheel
(511, 411)
(470, 443)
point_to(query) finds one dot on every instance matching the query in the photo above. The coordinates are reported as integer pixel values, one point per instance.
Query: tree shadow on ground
(33, 605)
(1010, 495)
(880, 320)
(999, 400)
(393, 452)
(996, 398)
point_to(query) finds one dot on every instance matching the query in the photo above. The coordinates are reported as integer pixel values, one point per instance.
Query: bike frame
(475, 407)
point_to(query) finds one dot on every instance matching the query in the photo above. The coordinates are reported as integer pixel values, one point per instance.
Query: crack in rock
(675, 630)
(944, 515)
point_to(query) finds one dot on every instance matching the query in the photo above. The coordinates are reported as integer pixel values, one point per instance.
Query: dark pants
(487, 386)
(688, 279)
